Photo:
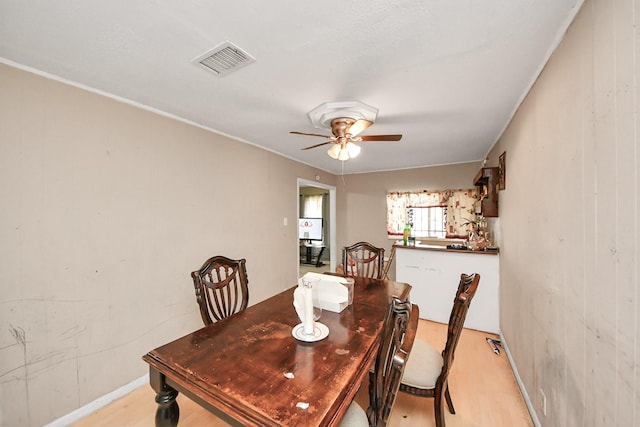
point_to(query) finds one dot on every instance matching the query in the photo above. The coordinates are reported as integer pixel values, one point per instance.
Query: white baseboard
(525, 395)
(100, 402)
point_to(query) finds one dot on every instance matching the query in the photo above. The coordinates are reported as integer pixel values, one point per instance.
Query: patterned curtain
(460, 206)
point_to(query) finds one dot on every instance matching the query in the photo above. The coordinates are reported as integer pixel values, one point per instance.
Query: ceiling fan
(345, 134)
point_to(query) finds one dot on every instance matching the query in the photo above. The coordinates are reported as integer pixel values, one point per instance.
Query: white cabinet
(434, 275)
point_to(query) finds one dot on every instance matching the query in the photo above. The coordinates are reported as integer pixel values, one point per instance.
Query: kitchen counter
(434, 273)
(442, 248)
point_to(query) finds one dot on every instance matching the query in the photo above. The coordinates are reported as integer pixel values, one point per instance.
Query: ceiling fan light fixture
(352, 149)
(345, 130)
(344, 154)
(334, 151)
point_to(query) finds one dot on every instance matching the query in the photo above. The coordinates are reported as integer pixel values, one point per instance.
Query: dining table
(250, 370)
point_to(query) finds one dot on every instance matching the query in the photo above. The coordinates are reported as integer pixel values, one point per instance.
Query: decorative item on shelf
(489, 239)
(477, 229)
(476, 242)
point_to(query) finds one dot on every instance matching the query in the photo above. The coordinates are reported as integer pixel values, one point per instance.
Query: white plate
(320, 332)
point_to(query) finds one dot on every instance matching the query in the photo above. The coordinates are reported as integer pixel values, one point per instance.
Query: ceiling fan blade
(309, 134)
(317, 145)
(381, 137)
(358, 127)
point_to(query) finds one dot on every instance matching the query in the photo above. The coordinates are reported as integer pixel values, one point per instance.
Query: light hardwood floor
(483, 389)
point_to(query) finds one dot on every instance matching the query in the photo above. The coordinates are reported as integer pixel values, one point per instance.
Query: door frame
(332, 219)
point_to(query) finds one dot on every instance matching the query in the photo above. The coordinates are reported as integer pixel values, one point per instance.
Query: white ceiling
(446, 74)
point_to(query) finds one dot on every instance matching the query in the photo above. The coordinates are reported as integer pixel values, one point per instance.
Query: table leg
(168, 411)
(319, 260)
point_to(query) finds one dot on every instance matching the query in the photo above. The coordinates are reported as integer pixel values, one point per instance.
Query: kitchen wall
(569, 219)
(106, 209)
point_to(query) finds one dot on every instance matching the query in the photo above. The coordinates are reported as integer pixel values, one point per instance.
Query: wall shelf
(487, 180)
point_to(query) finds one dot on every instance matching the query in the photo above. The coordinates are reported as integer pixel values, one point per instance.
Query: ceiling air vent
(224, 59)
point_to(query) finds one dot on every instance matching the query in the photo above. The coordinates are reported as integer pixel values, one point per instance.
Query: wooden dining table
(249, 370)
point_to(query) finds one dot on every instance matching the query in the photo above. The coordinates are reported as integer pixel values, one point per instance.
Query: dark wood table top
(250, 368)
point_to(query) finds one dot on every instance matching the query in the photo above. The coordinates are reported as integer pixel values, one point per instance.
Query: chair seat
(423, 367)
(427, 372)
(354, 417)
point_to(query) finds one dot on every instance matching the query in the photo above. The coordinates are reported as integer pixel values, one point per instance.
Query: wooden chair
(387, 264)
(427, 373)
(222, 288)
(363, 259)
(398, 334)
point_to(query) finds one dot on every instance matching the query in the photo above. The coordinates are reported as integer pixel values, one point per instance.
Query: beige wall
(570, 229)
(106, 209)
(362, 204)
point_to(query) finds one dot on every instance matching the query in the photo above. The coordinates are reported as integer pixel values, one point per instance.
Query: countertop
(441, 248)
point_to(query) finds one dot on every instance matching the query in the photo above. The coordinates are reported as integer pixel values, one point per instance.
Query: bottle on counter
(406, 233)
(412, 237)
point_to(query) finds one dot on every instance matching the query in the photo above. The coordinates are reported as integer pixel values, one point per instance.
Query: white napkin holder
(329, 293)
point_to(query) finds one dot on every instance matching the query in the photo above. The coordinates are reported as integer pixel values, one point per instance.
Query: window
(437, 214)
(428, 222)
(313, 206)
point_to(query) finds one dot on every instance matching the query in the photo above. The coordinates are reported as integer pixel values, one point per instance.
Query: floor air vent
(224, 59)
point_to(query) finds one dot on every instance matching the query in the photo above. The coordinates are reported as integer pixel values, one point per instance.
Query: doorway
(328, 260)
